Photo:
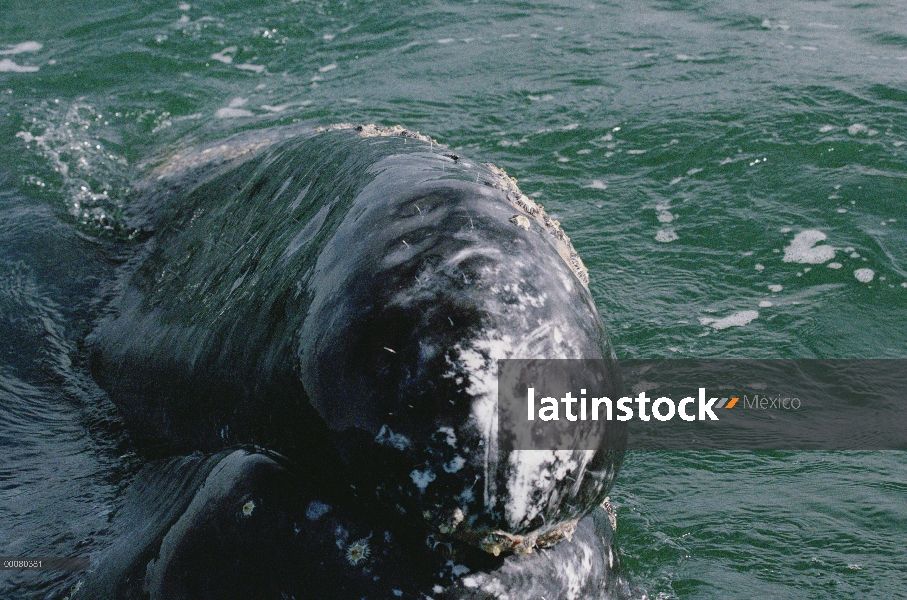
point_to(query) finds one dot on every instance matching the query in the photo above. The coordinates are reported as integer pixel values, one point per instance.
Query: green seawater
(683, 145)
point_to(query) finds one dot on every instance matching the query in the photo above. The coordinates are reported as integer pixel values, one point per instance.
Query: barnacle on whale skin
(358, 551)
(501, 181)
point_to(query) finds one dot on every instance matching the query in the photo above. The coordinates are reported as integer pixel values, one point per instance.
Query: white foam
(666, 235)
(8, 66)
(760, 267)
(675, 180)
(226, 55)
(597, 184)
(858, 128)
(803, 248)
(233, 113)
(826, 128)
(23, 47)
(765, 303)
(251, 67)
(769, 24)
(864, 275)
(278, 108)
(327, 68)
(834, 265)
(738, 319)
(775, 287)
(446, 40)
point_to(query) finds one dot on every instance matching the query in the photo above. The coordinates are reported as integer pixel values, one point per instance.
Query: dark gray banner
(703, 404)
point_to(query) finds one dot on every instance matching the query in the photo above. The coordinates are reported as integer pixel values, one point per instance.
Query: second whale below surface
(336, 303)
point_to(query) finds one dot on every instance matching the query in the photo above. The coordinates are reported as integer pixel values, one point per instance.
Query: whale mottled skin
(341, 298)
(247, 524)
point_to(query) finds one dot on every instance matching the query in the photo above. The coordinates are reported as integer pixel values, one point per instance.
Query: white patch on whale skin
(524, 298)
(479, 363)
(533, 477)
(316, 510)
(340, 536)
(481, 366)
(455, 464)
(386, 437)
(577, 571)
(422, 478)
(467, 253)
(496, 589)
(450, 438)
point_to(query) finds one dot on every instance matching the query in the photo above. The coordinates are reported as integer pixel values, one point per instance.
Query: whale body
(341, 298)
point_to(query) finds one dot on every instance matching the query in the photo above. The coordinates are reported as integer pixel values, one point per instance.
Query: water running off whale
(335, 302)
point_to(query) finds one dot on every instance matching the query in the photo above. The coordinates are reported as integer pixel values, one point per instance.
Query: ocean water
(733, 173)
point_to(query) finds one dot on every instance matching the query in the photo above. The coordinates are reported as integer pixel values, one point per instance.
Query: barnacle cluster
(502, 181)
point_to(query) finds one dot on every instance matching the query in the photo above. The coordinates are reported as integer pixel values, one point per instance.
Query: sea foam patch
(805, 248)
(666, 235)
(23, 47)
(864, 275)
(738, 319)
(233, 110)
(8, 66)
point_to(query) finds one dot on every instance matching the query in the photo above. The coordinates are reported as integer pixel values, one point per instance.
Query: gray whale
(340, 297)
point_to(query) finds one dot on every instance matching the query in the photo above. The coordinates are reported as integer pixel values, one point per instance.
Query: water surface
(684, 146)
